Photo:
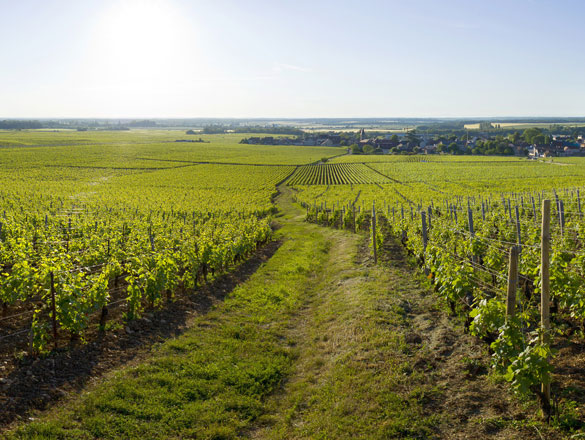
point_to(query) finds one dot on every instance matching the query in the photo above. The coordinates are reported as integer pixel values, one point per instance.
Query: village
(532, 143)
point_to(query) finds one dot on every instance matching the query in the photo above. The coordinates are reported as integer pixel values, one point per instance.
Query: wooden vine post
(53, 310)
(374, 243)
(424, 237)
(512, 283)
(545, 289)
(430, 212)
(562, 216)
(509, 209)
(518, 230)
(471, 230)
(424, 229)
(470, 222)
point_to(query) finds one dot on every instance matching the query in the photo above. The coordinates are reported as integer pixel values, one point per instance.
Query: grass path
(318, 344)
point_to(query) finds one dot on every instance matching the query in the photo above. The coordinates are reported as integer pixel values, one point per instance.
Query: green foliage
(139, 220)
(488, 317)
(335, 174)
(523, 359)
(368, 149)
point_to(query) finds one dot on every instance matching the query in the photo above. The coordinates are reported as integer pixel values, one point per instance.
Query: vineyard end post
(512, 282)
(545, 289)
(374, 244)
(424, 238)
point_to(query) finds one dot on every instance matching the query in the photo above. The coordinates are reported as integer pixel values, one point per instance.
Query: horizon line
(283, 117)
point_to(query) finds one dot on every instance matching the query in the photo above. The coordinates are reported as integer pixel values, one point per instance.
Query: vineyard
(465, 238)
(97, 233)
(90, 228)
(419, 183)
(335, 174)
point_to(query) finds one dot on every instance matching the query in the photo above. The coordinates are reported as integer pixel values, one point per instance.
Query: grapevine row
(335, 174)
(464, 246)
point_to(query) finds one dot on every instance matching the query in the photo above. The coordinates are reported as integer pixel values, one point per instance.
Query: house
(560, 137)
(430, 148)
(571, 151)
(385, 144)
(335, 138)
(571, 144)
(534, 152)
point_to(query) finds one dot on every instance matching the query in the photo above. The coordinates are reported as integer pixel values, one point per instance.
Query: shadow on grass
(36, 383)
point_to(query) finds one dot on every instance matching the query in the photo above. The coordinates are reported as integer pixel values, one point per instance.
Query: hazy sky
(278, 58)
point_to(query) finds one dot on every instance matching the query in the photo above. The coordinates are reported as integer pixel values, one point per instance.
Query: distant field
(472, 126)
(524, 125)
(148, 149)
(355, 129)
(73, 137)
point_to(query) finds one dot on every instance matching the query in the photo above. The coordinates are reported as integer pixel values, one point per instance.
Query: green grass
(349, 380)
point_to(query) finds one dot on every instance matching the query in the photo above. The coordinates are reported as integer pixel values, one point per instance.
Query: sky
(297, 58)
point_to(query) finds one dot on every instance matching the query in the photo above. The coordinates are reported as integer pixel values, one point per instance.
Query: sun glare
(138, 42)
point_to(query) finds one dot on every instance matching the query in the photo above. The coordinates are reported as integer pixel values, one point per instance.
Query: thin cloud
(282, 67)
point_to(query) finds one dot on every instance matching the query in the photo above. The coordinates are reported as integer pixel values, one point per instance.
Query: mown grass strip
(348, 381)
